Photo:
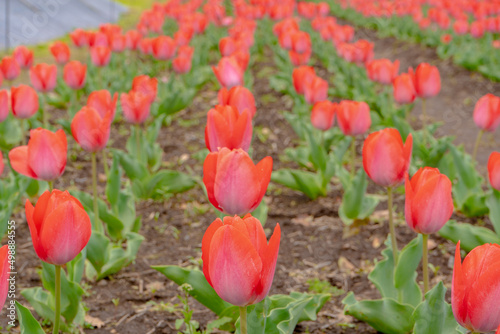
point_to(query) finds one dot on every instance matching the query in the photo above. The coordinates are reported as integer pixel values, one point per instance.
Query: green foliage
(27, 322)
(470, 236)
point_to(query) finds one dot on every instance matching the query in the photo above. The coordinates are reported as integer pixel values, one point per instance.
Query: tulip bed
(249, 167)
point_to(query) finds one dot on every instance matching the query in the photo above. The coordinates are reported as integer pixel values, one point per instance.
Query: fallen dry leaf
(95, 322)
(345, 266)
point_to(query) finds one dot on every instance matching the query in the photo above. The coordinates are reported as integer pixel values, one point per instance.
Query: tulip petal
(209, 175)
(408, 202)
(47, 153)
(256, 234)
(458, 291)
(269, 260)
(205, 247)
(264, 171)
(4, 274)
(34, 229)
(18, 157)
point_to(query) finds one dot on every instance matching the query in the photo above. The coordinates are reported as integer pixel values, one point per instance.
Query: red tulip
(302, 77)
(461, 27)
(229, 72)
(404, 89)
(79, 37)
(382, 70)
(101, 101)
(132, 38)
(90, 130)
(182, 63)
(98, 39)
(24, 101)
(100, 55)
(242, 58)
(74, 74)
(4, 105)
(427, 80)
(227, 46)
(323, 115)
(4, 271)
(136, 106)
(306, 9)
(118, 43)
(476, 287)
(385, 158)
(183, 36)
(59, 226)
(44, 158)
(316, 90)
(61, 52)
(494, 170)
(301, 42)
(146, 85)
(428, 204)
(23, 56)
(43, 77)
(163, 47)
(234, 184)
(299, 59)
(238, 262)
(239, 97)
(353, 117)
(9, 68)
(226, 127)
(487, 112)
(477, 29)
(146, 46)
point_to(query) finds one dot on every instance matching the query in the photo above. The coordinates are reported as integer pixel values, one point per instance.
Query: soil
(315, 243)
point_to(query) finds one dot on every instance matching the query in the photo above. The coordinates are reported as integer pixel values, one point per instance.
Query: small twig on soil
(142, 273)
(123, 319)
(155, 327)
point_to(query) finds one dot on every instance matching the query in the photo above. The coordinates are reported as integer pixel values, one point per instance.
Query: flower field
(255, 167)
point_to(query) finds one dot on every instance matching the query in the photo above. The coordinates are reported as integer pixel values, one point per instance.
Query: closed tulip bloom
(132, 38)
(102, 101)
(385, 158)
(382, 70)
(427, 80)
(118, 43)
(323, 115)
(238, 262)
(4, 274)
(9, 68)
(494, 170)
(316, 90)
(74, 74)
(476, 287)
(487, 112)
(227, 46)
(234, 184)
(163, 47)
(461, 27)
(90, 130)
(182, 63)
(226, 127)
(301, 42)
(59, 226)
(145, 45)
(428, 203)
(404, 89)
(299, 59)
(43, 77)
(100, 55)
(61, 52)
(302, 76)
(24, 101)
(23, 56)
(79, 37)
(136, 106)
(239, 97)
(4, 105)
(44, 158)
(146, 85)
(353, 117)
(228, 72)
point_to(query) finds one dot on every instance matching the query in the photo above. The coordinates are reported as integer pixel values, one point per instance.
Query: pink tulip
(102, 101)
(43, 77)
(4, 105)
(90, 130)
(136, 106)
(427, 80)
(353, 117)
(323, 115)
(226, 127)
(404, 89)
(487, 112)
(239, 97)
(23, 56)
(24, 101)
(229, 72)
(316, 90)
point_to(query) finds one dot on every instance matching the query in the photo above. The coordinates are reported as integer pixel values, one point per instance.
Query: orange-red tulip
(118, 43)
(226, 127)
(74, 74)
(323, 115)
(301, 42)
(385, 158)
(132, 39)
(382, 70)
(494, 170)
(227, 46)
(404, 89)
(79, 37)
(146, 85)
(23, 56)
(61, 52)
(228, 72)
(316, 90)
(59, 226)
(299, 59)
(182, 63)
(239, 97)
(24, 101)
(353, 117)
(487, 112)
(100, 55)
(44, 158)
(43, 77)
(102, 101)
(136, 106)
(234, 184)
(302, 76)
(475, 288)
(238, 262)
(4, 105)
(90, 130)
(163, 47)
(9, 68)
(427, 80)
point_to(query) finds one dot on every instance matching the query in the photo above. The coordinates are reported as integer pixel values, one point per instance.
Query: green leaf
(164, 182)
(28, 323)
(133, 168)
(303, 181)
(176, 101)
(113, 184)
(470, 236)
(355, 205)
(493, 203)
(384, 315)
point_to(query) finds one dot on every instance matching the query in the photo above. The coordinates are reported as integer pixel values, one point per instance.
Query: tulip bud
(475, 288)
(74, 74)
(316, 90)
(79, 37)
(427, 80)
(136, 106)
(59, 226)
(4, 105)
(226, 127)
(238, 262)
(382, 70)
(229, 72)
(163, 47)
(182, 63)
(24, 101)
(146, 85)
(100, 55)
(23, 56)
(494, 170)
(234, 184)
(323, 115)
(44, 158)
(428, 204)
(239, 97)
(385, 158)
(61, 52)
(353, 117)
(101, 101)
(487, 112)
(43, 77)
(404, 89)
(302, 76)
(90, 130)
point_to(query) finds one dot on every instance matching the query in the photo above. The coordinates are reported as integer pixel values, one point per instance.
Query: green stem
(105, 162)
(353, 156)
(322, 139)
(138, 141)
(476, 145)
(425, 261)
(424, 114)
(391, 227)
(94, 189)
(45, 113)
(51, 185)
(243, 319)
(23, 131)
(58, 300)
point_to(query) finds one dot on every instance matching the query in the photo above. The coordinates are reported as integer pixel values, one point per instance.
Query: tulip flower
(132, 38)
(136, 106)
(74, 74)
(163, 47)
(239, 97)
(146, 85)
(60, 228)
(299, 59)
(234, 184)
(61, 52)
(386, 161)
(90, 130)
(4, 105)
(229, 72)
(475, 288)
(227, 46)
(323, 115)
(404, 89)
(301, 42)
(145, 45)
(24, 101)
(316, 90)
(382, 70)
(23, 56)
(494, 170)
(9, 68)
(100, 55)
(226, 127)
(43, 77)
(79, 37)
(4, 272)
(353, 117)
(118, 43)
(182, 63)
(101, 101)
(486, 116)
(44, 158)
(302, 76)
(427, 80)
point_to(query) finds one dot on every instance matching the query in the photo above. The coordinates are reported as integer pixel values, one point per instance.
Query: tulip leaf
(434, 315)
(303, 181)
(355, 204)
(114, 182)
(159, 185)
(133, 168)
(27, 322)
(493, 203)
(317, 152)
(11, 133)
(176, 101)
(385, 315)
(470, 236)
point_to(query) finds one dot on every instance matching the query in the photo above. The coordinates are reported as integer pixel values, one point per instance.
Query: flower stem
(353, 155)
(51, 185)
(391, 227)
(425, 261)
(476, 145)
(45, 112)
(138, 141)
(94, 189)
(23, 131)
(243, 319)
(424, 114)
(105, 162)
(58, 300)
